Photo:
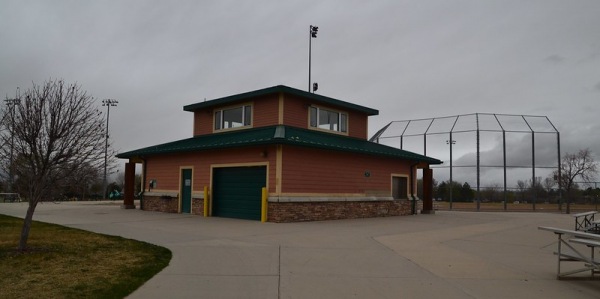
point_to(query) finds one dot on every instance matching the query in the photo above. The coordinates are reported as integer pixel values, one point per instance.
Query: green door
(237, 191)
(186, 190)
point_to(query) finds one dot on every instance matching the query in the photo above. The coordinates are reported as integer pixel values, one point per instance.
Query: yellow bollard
(206, 202)
(263, 214)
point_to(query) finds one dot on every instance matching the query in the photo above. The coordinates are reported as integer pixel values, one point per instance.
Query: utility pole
(312, 33)
(108, 103)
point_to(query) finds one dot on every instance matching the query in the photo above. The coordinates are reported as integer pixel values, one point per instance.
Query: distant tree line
(578, 167)
(79, 187)
(522, 192)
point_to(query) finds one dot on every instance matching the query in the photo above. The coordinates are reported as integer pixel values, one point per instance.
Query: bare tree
(576, 166)
(490, 193)
(120, 179)
(535, 187)
(549, 184)
(3, 127)
(522, 187)
(57, 131)
(79, 183)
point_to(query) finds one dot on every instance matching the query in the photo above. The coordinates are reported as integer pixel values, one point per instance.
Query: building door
(237, 191)
(186, 190)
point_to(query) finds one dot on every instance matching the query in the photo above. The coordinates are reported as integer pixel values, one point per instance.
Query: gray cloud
(555, 59)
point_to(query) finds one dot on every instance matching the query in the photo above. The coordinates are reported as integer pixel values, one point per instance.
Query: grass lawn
(70, 263)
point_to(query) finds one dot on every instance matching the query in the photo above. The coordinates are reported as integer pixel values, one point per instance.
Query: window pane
(323, 119)
(343, 122)
(328, 120)
(232, 118)
(334, 119)
(313, 117)
(247, 115)
(218, 120)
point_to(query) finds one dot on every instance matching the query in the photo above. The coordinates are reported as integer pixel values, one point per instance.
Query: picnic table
(10, 197)
(585, 222)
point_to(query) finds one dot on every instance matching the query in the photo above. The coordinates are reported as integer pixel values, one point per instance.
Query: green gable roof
(278, 135)
(283, 89)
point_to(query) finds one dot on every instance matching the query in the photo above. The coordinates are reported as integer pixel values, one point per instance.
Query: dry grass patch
(69, 263)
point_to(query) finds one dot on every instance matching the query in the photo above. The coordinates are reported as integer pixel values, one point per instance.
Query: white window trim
(339, 112)
(221, 109)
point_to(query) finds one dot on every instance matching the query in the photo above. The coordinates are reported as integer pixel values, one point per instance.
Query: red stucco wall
(307, 170)
(296, 114)
(266, 113)
(165, 168)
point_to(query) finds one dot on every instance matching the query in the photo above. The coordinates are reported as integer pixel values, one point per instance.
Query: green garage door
(237, 191)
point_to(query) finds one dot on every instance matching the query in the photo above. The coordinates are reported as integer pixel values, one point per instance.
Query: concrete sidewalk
(445, 255)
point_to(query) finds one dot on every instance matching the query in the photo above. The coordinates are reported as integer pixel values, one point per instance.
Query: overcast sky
(408, 59)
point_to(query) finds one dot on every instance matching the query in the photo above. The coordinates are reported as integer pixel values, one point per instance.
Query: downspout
(144, 164)
(413, 206)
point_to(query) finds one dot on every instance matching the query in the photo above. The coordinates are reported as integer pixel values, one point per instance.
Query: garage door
(237, 191)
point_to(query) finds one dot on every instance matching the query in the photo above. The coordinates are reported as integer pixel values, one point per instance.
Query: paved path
(445, 255)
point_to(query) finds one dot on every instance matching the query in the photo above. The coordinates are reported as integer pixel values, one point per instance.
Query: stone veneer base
(315, 211)
(301, 211)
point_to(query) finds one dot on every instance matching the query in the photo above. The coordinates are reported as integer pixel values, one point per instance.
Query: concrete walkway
(445, 255)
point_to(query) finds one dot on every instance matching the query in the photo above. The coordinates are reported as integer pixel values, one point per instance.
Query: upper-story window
(328, 119)
(235, 117)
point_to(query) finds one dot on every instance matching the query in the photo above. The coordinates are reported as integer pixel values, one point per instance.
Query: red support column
(428, 191)
(128, 195)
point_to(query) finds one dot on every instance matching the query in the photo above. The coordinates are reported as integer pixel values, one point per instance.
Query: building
(309, 152)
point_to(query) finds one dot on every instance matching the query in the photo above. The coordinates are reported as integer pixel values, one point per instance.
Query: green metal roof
(286, 90)
(278, 135)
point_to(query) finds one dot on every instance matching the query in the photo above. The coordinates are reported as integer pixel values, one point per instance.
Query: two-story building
(309, 152)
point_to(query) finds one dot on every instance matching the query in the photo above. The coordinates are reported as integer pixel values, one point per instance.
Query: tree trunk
(27, 226)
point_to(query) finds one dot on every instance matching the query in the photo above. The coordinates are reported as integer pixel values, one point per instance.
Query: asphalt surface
(445, 255)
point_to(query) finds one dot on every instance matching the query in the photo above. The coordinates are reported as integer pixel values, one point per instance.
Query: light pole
(451, 142)
(13, 103)
(312, 33)
(108, 103)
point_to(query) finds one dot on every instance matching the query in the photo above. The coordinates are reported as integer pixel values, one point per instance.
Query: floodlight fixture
(109, 102)
(313, 31)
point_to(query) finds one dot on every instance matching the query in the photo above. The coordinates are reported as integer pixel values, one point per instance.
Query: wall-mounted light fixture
(152, 184)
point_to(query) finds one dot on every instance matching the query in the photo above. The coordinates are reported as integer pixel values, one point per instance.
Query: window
(233, 117)
(328, 119)
(400, 187)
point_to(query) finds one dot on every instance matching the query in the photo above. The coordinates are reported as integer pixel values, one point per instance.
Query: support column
(128, 195)
(428, 191)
